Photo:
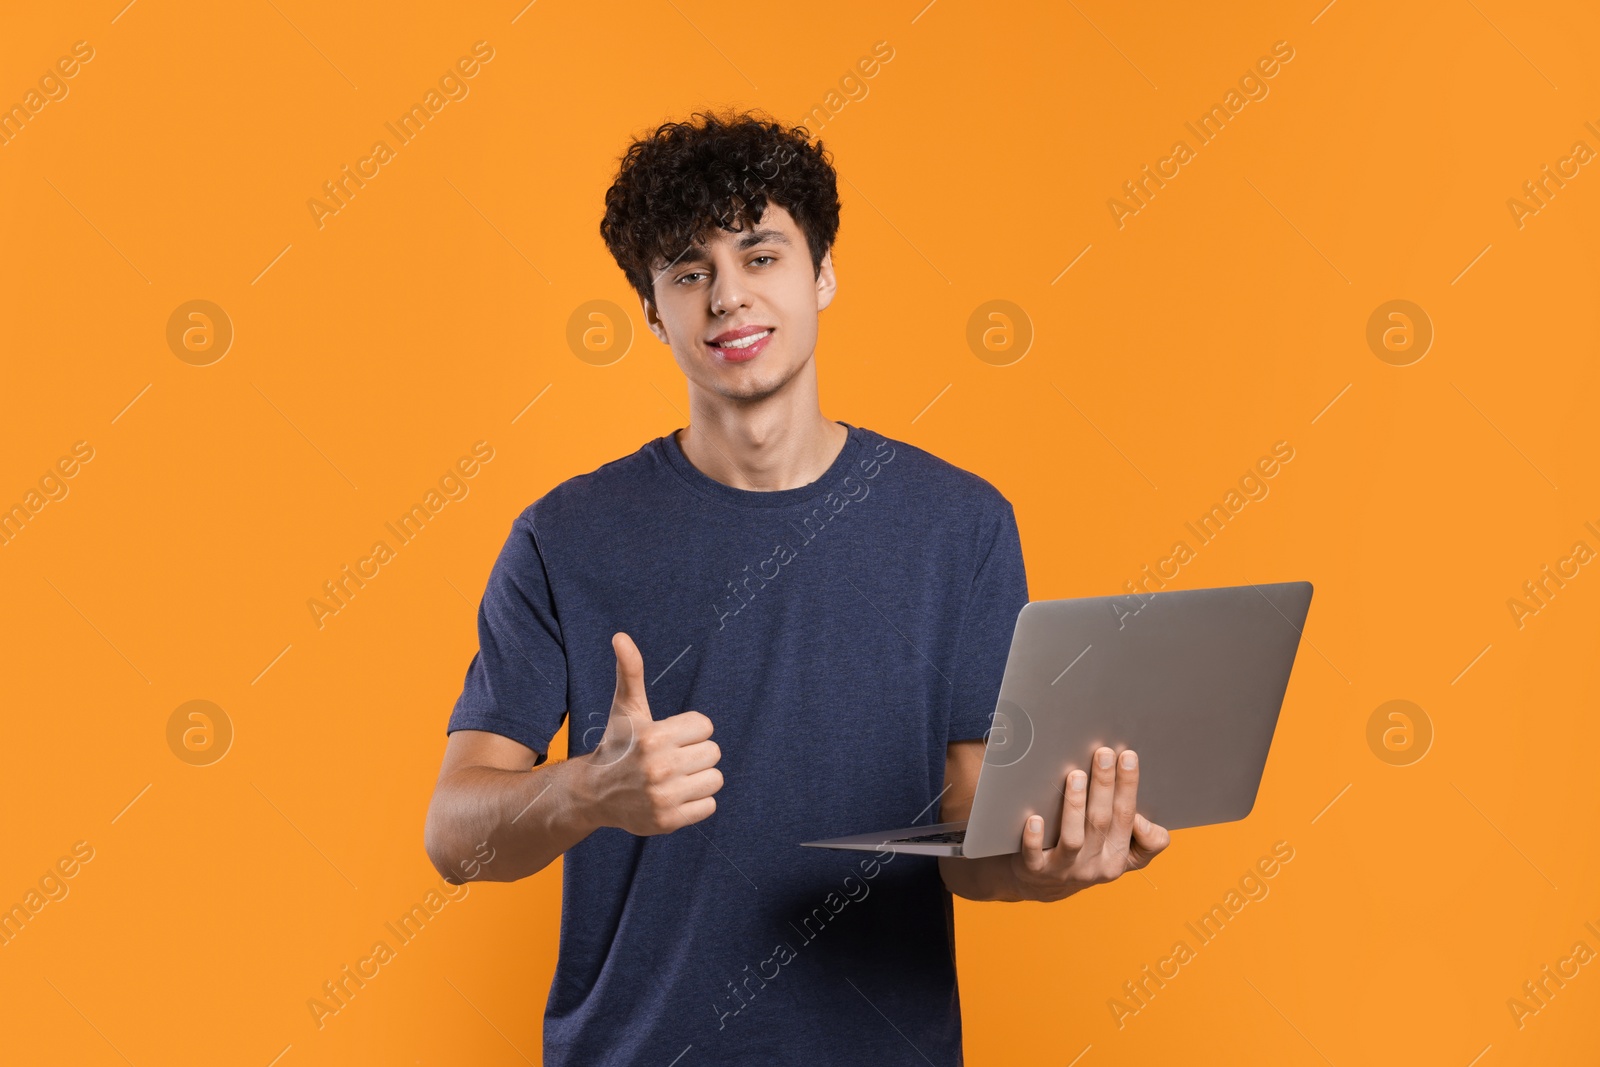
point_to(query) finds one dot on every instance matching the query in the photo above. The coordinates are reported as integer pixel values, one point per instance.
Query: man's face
(753, 284)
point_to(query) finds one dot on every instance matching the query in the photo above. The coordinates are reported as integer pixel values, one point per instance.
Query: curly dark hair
(716, 170)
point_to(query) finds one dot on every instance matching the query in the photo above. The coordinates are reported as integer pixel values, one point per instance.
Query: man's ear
(827, 284)
(653, 320)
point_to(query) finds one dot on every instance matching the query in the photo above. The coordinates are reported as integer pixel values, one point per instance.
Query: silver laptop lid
(1191, 679)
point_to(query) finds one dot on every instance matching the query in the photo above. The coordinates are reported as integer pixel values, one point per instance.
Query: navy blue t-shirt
(838, 635)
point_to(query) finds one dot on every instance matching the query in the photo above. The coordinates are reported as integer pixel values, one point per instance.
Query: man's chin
(735, 382)
(747, 392)
(742, 383)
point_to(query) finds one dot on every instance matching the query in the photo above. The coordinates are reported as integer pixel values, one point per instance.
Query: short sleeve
(999, 593)
(516, 684)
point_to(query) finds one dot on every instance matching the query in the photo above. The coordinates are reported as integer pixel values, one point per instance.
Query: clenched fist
(649, 777)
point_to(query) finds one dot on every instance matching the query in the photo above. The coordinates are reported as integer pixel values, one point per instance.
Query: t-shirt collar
(702, 483)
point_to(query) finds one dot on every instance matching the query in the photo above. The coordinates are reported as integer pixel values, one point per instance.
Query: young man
(836, 606)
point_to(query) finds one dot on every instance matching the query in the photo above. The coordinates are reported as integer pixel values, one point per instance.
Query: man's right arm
(495, 816)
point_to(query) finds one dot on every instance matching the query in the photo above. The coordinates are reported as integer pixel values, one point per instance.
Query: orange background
(370, 353)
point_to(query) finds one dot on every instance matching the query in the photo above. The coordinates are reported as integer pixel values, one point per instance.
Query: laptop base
(929, 839)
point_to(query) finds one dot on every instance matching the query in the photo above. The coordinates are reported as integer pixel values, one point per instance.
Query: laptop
(1193, 680)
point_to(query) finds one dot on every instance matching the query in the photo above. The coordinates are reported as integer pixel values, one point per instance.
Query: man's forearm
(527, 818)
(986, 878)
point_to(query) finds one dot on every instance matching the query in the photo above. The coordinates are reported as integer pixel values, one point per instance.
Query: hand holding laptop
(1194, 679)
(1101, 837)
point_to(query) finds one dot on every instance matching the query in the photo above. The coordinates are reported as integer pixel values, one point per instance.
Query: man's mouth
(742, 344)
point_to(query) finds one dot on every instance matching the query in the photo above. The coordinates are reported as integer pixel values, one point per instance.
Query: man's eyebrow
(696, 253)
(766, 236)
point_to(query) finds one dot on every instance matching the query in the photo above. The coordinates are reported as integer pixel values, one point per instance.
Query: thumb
(629, 699)
(1033, 857)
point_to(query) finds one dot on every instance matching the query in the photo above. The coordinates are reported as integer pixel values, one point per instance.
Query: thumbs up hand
(647, 776)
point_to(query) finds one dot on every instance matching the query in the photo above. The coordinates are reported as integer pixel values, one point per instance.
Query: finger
(686, 727)
(629, 698)
(1124, 798)
(1033, 857)
(1148, 841)
(698, 756)
(1072, 807)
(698, 785)
(696, 810)
(1101, 783)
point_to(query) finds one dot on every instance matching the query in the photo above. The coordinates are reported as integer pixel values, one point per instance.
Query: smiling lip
(730, 353)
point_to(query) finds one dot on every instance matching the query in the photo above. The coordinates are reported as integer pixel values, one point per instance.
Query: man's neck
(763, 447)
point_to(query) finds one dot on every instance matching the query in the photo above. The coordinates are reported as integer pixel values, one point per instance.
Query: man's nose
(727, 294)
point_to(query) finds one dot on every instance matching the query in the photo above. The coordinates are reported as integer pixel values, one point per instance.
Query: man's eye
(691, 274)
(758, 259)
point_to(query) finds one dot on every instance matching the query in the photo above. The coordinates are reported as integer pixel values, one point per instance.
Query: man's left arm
(1101, 838)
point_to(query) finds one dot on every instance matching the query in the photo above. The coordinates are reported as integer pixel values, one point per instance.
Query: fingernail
(1077, 779)
(1035, 824)
(1129, 760)
(1105, 757)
